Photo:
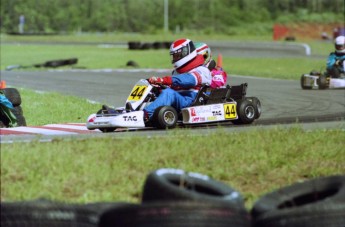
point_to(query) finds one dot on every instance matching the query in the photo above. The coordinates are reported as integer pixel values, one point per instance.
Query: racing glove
(167, 80)
(338, 63)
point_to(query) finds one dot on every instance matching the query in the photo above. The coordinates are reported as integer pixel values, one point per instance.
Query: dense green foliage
(147, 16)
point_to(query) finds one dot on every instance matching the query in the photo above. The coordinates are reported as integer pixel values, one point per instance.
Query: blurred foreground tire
(174, 214)
(48, 213)
(316, 203)
(178, 185)
(13, 95)
(18, 112)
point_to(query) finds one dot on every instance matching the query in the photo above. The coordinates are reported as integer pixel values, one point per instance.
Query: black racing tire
(175, 214)
(164, 117)
(21, 121)
(177, 185)
(13, 95)
(18, 112)
(146, 46)
(63, 62)
(315, 203)
(107, 130)
(257, 104)
(46, 213)
(133, 45)
(158, 45)
(323, 82)
(302, 84)
(326, 214)
(246, 112)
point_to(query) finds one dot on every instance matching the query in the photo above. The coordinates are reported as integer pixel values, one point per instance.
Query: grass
(114, 169)
(48, 108)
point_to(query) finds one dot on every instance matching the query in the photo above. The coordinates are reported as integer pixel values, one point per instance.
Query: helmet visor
(179, 54)
(340, 47)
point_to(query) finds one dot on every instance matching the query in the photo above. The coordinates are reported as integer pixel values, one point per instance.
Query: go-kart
(210, 106)
(319, 80)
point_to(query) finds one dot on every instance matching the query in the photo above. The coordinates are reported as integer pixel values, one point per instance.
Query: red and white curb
(50, 129)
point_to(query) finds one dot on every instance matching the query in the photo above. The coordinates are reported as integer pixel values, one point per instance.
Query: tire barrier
(174, 214)
(135, 45)
(176, 198)
(178, 185)
(315, 203)
(47, 64)
(43, 212)
(13, 95)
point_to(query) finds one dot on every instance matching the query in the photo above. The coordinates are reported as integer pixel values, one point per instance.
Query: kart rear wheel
(106, 130)
(257, 104)
(245, 111)
(323, 82)
(164, 117)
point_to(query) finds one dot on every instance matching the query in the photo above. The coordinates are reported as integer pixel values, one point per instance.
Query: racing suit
(219, 78)
(184, 86)
(333, 69)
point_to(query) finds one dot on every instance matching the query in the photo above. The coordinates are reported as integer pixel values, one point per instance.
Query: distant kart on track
(319, 80)
(210, 106)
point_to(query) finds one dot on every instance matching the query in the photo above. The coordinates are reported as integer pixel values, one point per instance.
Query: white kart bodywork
(309, 81)
(209, 113)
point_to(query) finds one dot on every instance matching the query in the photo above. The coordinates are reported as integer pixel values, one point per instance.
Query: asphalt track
(283, 101)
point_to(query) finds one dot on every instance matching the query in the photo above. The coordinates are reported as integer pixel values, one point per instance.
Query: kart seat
(219, 95)
(201, 97)
(238, 92)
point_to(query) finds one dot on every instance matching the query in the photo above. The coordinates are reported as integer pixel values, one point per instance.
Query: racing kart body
(318, 80)
(210, 106)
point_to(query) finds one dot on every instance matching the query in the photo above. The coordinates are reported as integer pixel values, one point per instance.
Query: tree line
(147, 16)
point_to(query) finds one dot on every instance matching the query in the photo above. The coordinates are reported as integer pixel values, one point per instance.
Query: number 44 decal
(230, 111)
(137, 93)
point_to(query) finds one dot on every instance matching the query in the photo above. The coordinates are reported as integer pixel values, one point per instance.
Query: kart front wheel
(106, 130)
(304, 87)
(164, 117)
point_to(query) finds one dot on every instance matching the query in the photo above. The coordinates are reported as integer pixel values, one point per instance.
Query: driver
(335, 66)
(188, 76)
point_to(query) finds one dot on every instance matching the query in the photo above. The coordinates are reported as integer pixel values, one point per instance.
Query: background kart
(318, 80)
(210, 105)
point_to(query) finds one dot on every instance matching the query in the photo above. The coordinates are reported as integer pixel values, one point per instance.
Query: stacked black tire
(135, 45)
(175, 198)
(13, 95)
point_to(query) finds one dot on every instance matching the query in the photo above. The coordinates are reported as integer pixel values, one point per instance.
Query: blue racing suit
(183, 90)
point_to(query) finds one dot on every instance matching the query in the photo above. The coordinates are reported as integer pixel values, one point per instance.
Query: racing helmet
(182, 51)
(339, 44)
(205, 51)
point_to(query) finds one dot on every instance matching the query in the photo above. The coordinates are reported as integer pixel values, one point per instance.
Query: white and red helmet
(339, 44)
(182, 51)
